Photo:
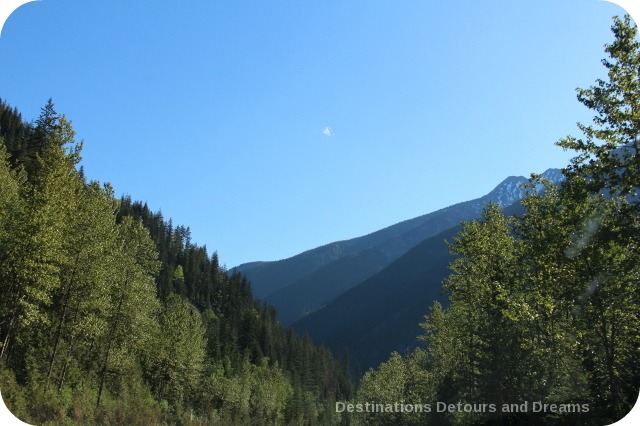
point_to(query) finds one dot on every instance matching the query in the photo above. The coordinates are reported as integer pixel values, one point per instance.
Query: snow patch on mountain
(512, 189)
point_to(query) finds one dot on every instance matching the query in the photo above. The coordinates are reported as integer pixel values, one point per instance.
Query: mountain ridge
(303, 283)
(382, 314)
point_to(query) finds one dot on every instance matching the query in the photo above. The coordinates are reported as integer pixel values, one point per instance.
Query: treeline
(543, 308)
(109, 314)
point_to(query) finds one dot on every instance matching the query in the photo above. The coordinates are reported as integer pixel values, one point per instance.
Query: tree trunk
(103, 371)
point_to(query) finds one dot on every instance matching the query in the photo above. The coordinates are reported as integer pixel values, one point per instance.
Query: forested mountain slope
(381, 314)
(322, 285)
(110, 314)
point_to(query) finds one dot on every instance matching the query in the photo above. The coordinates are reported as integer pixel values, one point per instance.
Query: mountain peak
(511, 189)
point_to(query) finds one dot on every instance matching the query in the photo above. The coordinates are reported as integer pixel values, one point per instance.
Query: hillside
(381, 314)
(110, 314)
(320, 275)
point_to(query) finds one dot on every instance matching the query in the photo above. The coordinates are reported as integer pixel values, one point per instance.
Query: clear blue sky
(272, 127)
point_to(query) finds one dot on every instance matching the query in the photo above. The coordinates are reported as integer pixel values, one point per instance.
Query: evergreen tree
(14, 131)
(608, 153)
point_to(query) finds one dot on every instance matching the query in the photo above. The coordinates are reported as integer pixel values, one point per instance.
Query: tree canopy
(109, 314)
(543, 308)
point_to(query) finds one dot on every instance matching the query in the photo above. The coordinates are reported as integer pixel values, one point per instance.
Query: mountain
(308, 281)
(382, 314)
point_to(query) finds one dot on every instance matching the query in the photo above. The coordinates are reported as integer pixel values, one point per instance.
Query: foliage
(544, 307)
(111, 315)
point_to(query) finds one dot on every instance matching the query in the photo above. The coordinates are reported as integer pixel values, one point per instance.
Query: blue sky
(272, 127)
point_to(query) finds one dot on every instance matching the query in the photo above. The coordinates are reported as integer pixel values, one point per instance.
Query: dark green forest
(109, 314)
(543, 307)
